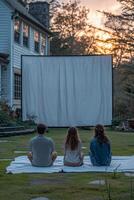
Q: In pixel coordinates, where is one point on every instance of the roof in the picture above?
(24, 12)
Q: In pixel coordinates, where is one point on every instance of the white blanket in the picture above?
(119, 164)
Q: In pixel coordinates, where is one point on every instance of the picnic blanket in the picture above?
(21, 164)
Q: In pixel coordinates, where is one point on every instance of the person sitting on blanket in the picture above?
(42, 150)
(72, 151)
(100, 149)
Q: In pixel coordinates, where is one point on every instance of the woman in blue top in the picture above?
(100, 149)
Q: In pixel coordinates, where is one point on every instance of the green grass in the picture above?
(65, 186)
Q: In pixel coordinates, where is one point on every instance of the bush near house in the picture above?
(9, 117)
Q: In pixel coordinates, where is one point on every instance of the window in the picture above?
(43, 44)
(17, 86)
(25, 35)
(36, 41)
(17, 30)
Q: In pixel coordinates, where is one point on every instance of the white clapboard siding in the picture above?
(9, 46)
(18, 51)
(5, 27)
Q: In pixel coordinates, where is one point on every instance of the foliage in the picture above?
(116, 121)
(124, 91)
(9, 117)
(54, 5)
(127, 71)
(30, 120)
(5, 118)
(72, 34)
(121, 30)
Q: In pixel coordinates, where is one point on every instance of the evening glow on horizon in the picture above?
(96, 18)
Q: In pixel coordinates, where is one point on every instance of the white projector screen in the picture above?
(63, 91)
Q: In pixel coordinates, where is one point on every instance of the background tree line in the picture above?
(72, 34)
(121, 31)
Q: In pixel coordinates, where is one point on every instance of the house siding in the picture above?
(5, 25)
(15, 51)
(18, 51)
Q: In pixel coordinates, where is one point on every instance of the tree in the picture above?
(120, 28)
(54, 5)
(72, 34)
(121, 31)
(123, 91)
(127, 80)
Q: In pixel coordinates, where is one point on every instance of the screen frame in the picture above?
(22, 56)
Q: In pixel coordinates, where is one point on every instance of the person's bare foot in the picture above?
(30, 157)
(54, 155)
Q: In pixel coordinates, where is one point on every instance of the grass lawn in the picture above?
(65, 186)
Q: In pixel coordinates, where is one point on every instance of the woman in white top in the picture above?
(73, 154)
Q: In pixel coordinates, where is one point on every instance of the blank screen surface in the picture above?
(63, 91)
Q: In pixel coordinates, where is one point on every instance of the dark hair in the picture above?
(72, 138)
(100, 134)
(41, 128)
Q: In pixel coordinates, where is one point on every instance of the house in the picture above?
(23, 31)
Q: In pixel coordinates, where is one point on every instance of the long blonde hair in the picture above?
(72, 138)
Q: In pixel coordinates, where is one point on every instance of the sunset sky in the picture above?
(108, 5)
(95, 18)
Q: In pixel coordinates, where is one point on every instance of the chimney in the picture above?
(40, 10)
